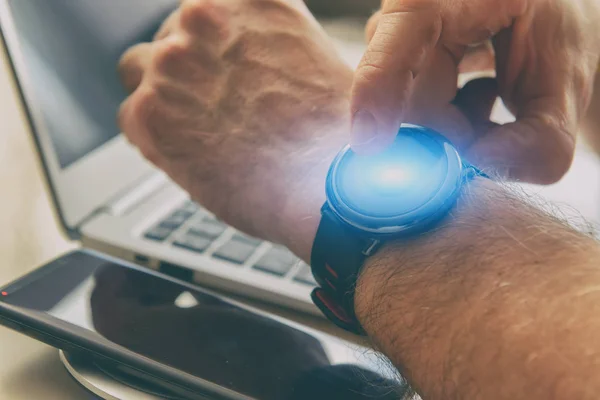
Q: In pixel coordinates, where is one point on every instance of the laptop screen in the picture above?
(71, 49)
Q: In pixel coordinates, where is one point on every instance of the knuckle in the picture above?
(124, 62)
(275, 10)
(370, 68)
(141, 111)
(130, 56)
(123, 116)
(170, 53)
(199, 15)
(195, 11)
(237, 51)
(551, 149)
(374, 72)
(559, 158)
(552, 174)
(411, 6)
(431, 32)
(368, 77)
(179, 100)
(181, 60)
(427, 12)
(141, 107)
(242, 50)
(131, 65)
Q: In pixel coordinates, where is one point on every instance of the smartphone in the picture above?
(184, 339)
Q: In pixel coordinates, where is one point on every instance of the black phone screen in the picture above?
(204, 335)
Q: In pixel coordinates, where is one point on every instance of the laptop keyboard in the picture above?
(191, 228)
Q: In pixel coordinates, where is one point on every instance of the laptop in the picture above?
(64, 55)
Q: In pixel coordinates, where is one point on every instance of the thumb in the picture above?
(406, 34)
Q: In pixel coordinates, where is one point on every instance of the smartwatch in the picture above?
(399, 193)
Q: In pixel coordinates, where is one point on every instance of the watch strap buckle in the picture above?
(371, 247)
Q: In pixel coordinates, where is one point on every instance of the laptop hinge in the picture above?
(129, 200)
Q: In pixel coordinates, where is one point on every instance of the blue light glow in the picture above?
(402, 178)
(394, 176)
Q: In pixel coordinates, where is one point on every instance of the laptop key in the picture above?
(193, 242)
(277, 261)
(207, 227)
(190, 207)
(236, 251)
(175, 220)
(248, 239)
(158, 233)
(305, 276)
(183, 214)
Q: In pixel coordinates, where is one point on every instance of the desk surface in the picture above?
(30, 236)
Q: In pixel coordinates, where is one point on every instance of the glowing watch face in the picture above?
(414, 177)
(397, 181)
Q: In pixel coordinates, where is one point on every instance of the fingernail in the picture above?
(364, 128)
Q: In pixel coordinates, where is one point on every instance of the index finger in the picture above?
(407, 33)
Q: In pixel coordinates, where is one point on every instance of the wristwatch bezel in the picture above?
(417, 219)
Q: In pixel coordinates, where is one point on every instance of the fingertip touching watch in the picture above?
(399, 193)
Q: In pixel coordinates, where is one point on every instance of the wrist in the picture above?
(404, 260)
(306, 196)
(297, 182)
(302, 214)
(412, 297)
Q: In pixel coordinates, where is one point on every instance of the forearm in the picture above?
(500, 301)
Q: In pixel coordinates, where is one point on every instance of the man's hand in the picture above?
(239, 101)
(546, 58)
